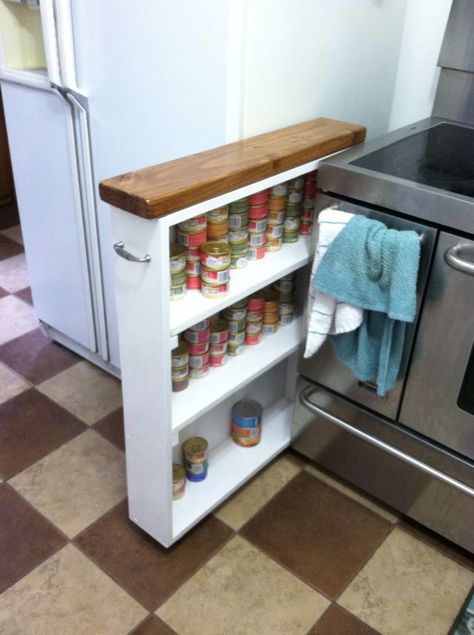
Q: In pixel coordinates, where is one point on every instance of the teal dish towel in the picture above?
(375, 268)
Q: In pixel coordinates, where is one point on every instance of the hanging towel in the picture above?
(376, 269)
(325, 315)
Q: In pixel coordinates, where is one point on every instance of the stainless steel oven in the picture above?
(414, 448)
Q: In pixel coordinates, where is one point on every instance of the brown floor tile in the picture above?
(446, 547)
(9, 216)
(153, 626)
(317, 532)
(26, 538)
(338, 621)
(31, 426)
(149, 572)
(111, 428)
(9, 248)
(36, 357)
(3, 293)
(25, 294)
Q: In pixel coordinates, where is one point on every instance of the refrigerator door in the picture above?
(41, 132)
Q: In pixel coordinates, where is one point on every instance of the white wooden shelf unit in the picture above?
(157, 421)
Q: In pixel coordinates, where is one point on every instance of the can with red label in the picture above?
(257, 211)
(192, 239)
(219, 331)
(195, 337)
(214, 291)
(256, 253)
(213, 276)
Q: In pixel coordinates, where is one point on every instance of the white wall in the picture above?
(417, 75)
(312, 58)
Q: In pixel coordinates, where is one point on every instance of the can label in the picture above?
(218, 215)
(192, 240)
(178, 292)
(257, 225)
(258, 211)
(238, 235)
(214, 291)
(275, 231)
(255, 316)
(253, 339)
(196, 469)
(257, 240)
(193, 268)
(215, 261)
(236, 350)
(277, 205)
(237, 221)
(218, 360)
(179, 373)
(286, 308)
(219, 337)
(238, 262)
(276, 218)
(193, 282)
(270, 328)
(236, 339)
(198, 361)
(236, 326)
(258, 198)
(179, 360)
(198, 373)
(291, 224)
(256, 253)
(195, 336)
(212, 276)
(198, 348)
(280, 189)
(306, 229)
(286, 319)
(193, 255)
(297, 183)
(274, 244)
(253, 328)
(178, 264)
(179, 488)
(192, 224)
(235, 314)
(218, 349)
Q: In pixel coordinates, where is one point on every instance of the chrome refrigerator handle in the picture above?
(121, 251)
(406, 458)
(453, 257)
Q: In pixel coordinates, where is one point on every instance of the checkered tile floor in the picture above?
(293, 552)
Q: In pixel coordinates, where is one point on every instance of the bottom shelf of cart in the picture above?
(230, 466)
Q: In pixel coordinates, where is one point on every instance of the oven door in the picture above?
(439, 396)
(324, 368)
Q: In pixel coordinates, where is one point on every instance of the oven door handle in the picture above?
(306, 393)
(453, 256)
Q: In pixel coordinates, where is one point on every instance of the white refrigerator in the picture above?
(94, 88)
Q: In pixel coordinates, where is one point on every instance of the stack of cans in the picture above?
(276, 216)
(217, 224)
(293, 210)
(219, 342)
(235, 316)
(271, 311)
(254, 321)
(257, 225)
(179, 481)
(177, 271)
(238, 233)
(215, 269)
(192, 234)
(309, 200)
(246, 422)
(195, 458)
(198, 338)
(180, 367)
(286, 308)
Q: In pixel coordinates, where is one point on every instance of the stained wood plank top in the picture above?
(162, 189)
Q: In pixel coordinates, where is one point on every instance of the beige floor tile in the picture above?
(370, 503)
(240, 591)
(68, 595)
(11, 384)
(86, 391)
(14, 273)
(14, 233)
(251, 498)
(76, 483)
(16, 318)
(408, 587)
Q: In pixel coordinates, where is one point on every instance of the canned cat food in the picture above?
(258, 198)
(255, 316)
(215, 255)
(193, 255)
(274, 231)
(218, 349)
(295, 197)
(193, 282)
(239, 261)
(293, 209)
(257, 211)
(236, 312)
(193, 268)
(240, 205)
(239, 249)
(270, 299)
(281, 189)
(214, 291)
(180, 355)
(286, 319)
(198, 348)
(307, 215)
(192, 239)
(286, 308)
(238, 235)
(306, 229)
(198, 361)
(296, 184)
(182, 384)
(256, 253)
(246, 437)
(256, 302)
(213, 276)
(218, 360)
(253, 327)
(195, 337)
(200, 372)
(179, 481)
(196, 471)
(178, 292)
(219, 331)
(246, 417)
(273, 244)
(275, 218)
(277, 204)
(235, 350)
(251, 339)
(236, 326)
(178, 279)
(202, 325)
(235, 339)
(238, 221)
(193, 225)
(219, 215)
(271, 317)
(257, 226)
(177, 258)
(291, 224)
(270, 328)
(256, 240)
(285, 284)
(217, 231)
(290, 237)
(195, 450)
(178, 373)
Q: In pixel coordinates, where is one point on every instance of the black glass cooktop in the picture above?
(442, 157)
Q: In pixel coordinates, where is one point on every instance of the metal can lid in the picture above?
(181, 349)
(178, 472)
(247, 409)
(195, 445)
(241, 304)
(215, 248)
(177, 250)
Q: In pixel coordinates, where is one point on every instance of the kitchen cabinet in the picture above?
(7, 191)
(146, 207)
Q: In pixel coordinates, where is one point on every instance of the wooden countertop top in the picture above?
(162, 189)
